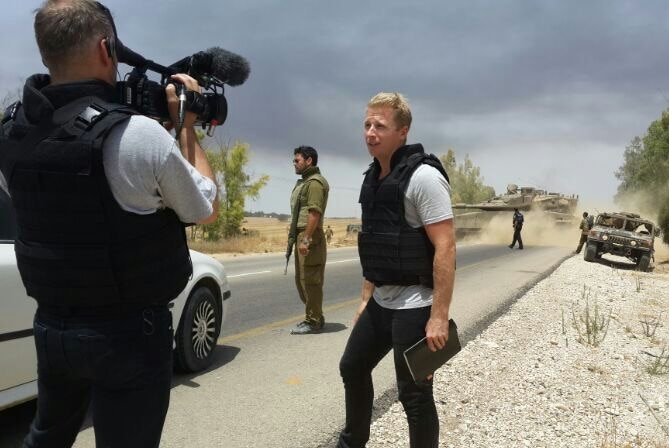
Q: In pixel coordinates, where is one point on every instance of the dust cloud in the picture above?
(644, 203)
(539, 229)
(647, 204)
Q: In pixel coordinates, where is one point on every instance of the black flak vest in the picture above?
(391, 251)
(76, 246)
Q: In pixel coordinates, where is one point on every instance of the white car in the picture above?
(198, 313)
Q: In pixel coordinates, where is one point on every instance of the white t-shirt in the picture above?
(427, 200)
(146, 172)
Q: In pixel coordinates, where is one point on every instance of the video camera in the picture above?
(212, 69)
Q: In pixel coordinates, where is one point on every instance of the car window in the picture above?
(7, 218)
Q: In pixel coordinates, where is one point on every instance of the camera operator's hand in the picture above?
(188, 143)
(173, 99)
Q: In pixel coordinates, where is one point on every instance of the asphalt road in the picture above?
(270, 388)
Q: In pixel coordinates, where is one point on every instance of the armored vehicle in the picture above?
(472, 218)
(624, 234)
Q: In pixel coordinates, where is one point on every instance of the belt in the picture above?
(97, 312)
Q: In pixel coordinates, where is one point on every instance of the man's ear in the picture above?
(404, 132)
(104, 53)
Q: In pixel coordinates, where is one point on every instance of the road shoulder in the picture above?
(527, 381)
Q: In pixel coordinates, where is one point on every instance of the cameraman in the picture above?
(101, 195)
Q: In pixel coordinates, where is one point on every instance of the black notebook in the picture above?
(423, 362)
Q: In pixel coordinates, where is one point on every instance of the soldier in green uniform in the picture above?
(307, 204)
(585, 229)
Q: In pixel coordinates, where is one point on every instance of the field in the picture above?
(264, 235)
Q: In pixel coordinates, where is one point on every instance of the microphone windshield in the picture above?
(229, 67)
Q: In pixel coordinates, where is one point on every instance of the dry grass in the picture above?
(271, 235)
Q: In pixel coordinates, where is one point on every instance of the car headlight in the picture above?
(633, 244)
(605, 237)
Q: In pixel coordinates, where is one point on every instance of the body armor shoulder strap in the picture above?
(416, 159)
(79, 118)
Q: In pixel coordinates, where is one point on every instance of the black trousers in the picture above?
(377, 331)
(584, 238)
(517, 237)
(121, 367)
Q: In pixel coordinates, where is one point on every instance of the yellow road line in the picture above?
(282, 323)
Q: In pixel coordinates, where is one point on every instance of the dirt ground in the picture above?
(273, 228)
(265, 235)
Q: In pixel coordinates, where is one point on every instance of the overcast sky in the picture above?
(538, 93)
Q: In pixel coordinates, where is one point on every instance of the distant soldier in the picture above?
(585, 226)
(328, 234)
(307, 203)
(517, 224)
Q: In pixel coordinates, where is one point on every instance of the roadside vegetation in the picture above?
(644, 173)
(646, 325)
(229, 163)
(465, 179)
(590, 322)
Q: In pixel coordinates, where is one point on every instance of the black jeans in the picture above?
(121, 367)
(376, 332)
(517, 237)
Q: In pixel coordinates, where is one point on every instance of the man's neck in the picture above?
(309, 171)
(385, 163)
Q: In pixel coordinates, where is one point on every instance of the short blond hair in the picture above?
(395, 101)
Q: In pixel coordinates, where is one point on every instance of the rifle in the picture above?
(292, 233)
(289, 250)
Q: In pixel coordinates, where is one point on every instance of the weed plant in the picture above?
(650, 323)
(591, 325)
(658, 364)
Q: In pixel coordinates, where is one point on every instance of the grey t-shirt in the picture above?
(146, 172)
(427, 200)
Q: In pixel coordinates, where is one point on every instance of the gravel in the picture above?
(528, 381)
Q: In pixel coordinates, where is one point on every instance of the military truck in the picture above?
(623, 234)
(473, 218)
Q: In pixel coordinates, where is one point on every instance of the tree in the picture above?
(644, 173)
(235, 186)
(466, 180)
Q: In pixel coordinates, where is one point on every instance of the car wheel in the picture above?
(198, 331)
(644, 262)
(590, 252)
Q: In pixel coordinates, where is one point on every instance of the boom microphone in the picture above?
(227, 67)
